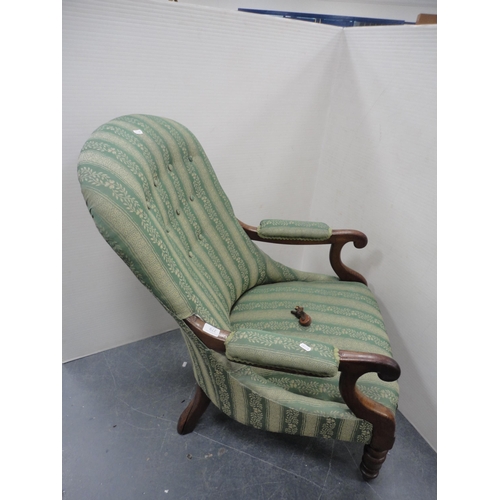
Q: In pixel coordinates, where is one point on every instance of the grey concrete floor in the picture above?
(120, 411)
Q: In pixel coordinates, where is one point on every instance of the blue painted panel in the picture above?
(343, 21)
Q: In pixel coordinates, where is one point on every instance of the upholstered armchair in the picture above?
(272, 347)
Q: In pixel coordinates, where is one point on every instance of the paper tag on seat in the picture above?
(305, 347)
(211, 330)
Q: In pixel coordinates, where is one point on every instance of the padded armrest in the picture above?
(278, 229)
(282, 352)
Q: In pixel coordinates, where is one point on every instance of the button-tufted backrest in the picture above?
(156, 200)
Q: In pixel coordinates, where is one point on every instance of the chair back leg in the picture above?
(193, 412)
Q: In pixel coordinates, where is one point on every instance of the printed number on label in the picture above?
(211, 330)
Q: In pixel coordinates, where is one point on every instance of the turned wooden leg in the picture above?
(194, 410)
(353, 365)
(371, 462)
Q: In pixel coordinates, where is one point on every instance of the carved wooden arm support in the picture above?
(337, 240)
(352, 366)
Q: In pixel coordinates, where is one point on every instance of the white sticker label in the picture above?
(305, 347)
(211, 330)
(138, 131)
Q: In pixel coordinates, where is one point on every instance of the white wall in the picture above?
(252, 89)
(378, 174)
(299, 120)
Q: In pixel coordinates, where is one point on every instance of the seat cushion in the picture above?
(344, 315)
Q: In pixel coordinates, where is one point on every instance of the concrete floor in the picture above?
(120, 411)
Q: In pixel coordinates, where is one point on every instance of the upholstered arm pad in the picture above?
(282, 352)
(277, 229)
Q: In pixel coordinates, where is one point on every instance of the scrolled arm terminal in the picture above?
(303, 233)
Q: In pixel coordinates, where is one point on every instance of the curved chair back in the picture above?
(156, 200)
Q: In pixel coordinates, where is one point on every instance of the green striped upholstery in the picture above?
(275, 401)
(278, 229)
(281, 351)
(344, 315)
(156, 200)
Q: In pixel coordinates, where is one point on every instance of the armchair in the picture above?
(272, 347)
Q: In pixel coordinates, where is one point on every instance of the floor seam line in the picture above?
(257, 458)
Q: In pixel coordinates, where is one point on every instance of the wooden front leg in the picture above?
(352, 365)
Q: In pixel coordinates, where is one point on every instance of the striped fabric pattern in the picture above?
(278, 229)
(344, 315)
(155, 199)
(281, 351)
(274, 401)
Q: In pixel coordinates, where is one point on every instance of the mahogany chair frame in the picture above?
(352, 364)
